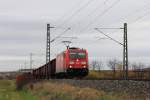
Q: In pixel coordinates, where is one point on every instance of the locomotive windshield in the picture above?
(79, 55)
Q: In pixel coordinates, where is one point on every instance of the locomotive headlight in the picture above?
(70, 66)
(83, 62)
(84, 66)
(71, 62)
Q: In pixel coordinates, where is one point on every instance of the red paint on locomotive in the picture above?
(73, 61)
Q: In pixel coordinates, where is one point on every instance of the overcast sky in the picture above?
(23, 29)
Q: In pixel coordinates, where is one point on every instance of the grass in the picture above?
(8, 92)
(118, 75)
(46, 90)
(62, 91)
(99, 74)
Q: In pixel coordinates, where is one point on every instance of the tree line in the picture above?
(116, 66)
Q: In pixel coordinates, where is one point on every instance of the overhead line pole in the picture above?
(125, 52)
(125, 48)
(48, 68)
(48, 43)
(48, 47)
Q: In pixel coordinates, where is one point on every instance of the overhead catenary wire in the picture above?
(140, 17)
(75, 13)
(58, 36)
(69, 37)
(83, 8)
(98, 7)
(90, 13)
(101, 14)
(132, 13)
(141, 9)
(70, 11)
(78, 10)
(108, 36)
(71, 17)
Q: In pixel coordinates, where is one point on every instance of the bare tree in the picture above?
(137, 66)
(112, 65)
(138, 69)
(134, 66)
(93, 64)
(119, 66)
(97, 65)
(141, 68)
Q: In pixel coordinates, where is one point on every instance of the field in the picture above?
(59, 90)
(74, 89)
(8, 92)
(47, 90)
(109, 74)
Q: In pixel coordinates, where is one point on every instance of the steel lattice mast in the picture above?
(48, 68)
(125, 52)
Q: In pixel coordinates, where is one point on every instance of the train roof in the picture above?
(75, 48)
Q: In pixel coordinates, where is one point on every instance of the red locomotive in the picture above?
(72, 62)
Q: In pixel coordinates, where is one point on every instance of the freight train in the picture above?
(72, 62)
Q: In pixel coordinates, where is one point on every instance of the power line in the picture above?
(101, 14)
(71, 16)
(128, 16)
(109, 28)
(79, 10)
(69, 37)
(137, 11)
(58, 36)
(140, 17)
(66, 14)
(143, 8)
(98, 7)
(93, 11)
(109, 36)
(75, 13)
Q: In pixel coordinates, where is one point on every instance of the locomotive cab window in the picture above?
(77, 55)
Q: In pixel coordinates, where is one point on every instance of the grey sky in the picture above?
(23, 28)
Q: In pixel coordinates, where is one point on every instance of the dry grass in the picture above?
(99, 74)
(61, 91)
(51, 91)
(118, 75)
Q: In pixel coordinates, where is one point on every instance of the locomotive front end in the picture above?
(77, 62)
